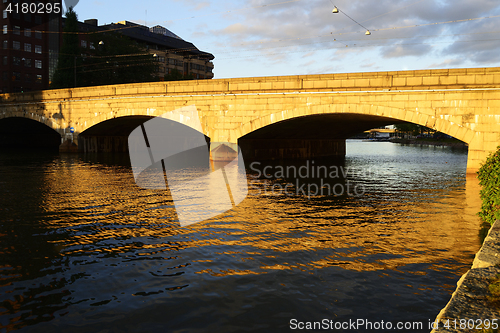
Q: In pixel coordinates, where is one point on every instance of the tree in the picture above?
(64, 76)
(116, 59)
(412, 129)
(112, 58)
(176, 75)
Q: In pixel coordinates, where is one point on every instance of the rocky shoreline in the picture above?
(469, 309)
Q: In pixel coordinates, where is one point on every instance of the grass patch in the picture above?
(494, 290)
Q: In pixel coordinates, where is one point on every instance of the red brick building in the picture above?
(30, 46)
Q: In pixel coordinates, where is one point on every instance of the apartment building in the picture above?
(170, 51)
(29, 48)
(31, 42)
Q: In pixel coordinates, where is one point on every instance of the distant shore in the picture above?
(432, 142)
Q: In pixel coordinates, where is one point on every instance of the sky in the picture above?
(295, 37)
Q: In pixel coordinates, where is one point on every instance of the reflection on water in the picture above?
(84, 249)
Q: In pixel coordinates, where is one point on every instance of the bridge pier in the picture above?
(479, 151)
(68, 146)
(277, 149)
(69, 142)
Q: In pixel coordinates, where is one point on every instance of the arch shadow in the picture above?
(377, 114)
(19, 133)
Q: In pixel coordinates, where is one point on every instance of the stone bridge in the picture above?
(280, 116)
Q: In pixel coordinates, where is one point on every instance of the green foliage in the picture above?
(413, 129)
(64, 76)
(408, 128)
(176, 75)
(110, 58)
(489, 179)
(115, 59)
(494, 289)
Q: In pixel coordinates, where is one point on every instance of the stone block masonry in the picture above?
(464, 103)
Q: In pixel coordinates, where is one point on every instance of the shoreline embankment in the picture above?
(469, 309)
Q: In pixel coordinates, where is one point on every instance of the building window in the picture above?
(38, 34)
(5, 60)
(27, 17)
(16, 76)
(17, 30)
(5, 76)
(84, 43)
(5, 29)
(4, 14)
(38, 49)
(27, 62)
(38, 19)
(27, 77)
(38, 78)
(38, 64)
(5, 44)
(16, 45)
(27, 47)
(16, 61)
(92, 46)
(27, 32)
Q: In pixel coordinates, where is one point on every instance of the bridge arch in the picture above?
(112, 134)
(36, 116)
(27, 133)
(441, 124)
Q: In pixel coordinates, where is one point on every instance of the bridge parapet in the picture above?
(432, 79)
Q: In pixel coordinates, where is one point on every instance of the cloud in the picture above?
(309, 26)
(196, 5)
(405, 50)
(309, 54)
(447, 63)
(369, 65)
(479, 42)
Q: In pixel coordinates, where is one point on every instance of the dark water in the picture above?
(83, 249)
